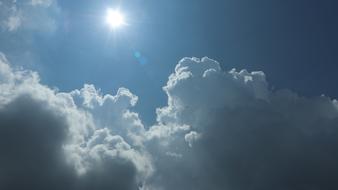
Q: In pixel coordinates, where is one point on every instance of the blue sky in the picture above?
(294, 42)
(156, 104)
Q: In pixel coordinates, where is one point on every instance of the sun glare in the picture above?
(115, 18)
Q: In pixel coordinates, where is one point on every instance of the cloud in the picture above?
(53, 140)
(13, 22)
(34, 15)
(240, 134)
(41, 2)
(31, 147)
(220, 130)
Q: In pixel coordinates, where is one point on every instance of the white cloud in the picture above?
(241, 135)
(199, 85)
(220, 130)
(191, 137)
(90, 146)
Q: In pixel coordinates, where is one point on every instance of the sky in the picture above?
(294, 42)
(194, 94)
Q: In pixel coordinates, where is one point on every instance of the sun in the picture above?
(115, 18)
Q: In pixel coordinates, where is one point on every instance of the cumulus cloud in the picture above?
(53, 140)
(242, 135)
(219, 130)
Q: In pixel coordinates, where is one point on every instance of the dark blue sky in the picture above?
(293, 41)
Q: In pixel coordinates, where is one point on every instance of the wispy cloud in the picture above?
(42, 2)
(35, 15)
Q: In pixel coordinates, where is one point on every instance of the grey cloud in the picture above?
(51, 141)
(32, 154)
(249, 137)
(220, 130)
(31, 138)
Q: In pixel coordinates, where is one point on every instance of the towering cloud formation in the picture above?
(240, 135)
(220, 130)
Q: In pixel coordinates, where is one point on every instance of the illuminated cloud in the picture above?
(55, 140)
(220, 130)
(241, 135)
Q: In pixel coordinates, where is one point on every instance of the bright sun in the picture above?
(115, 18)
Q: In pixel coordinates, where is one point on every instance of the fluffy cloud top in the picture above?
(241, 135)
(55, 140)
(220, 130)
